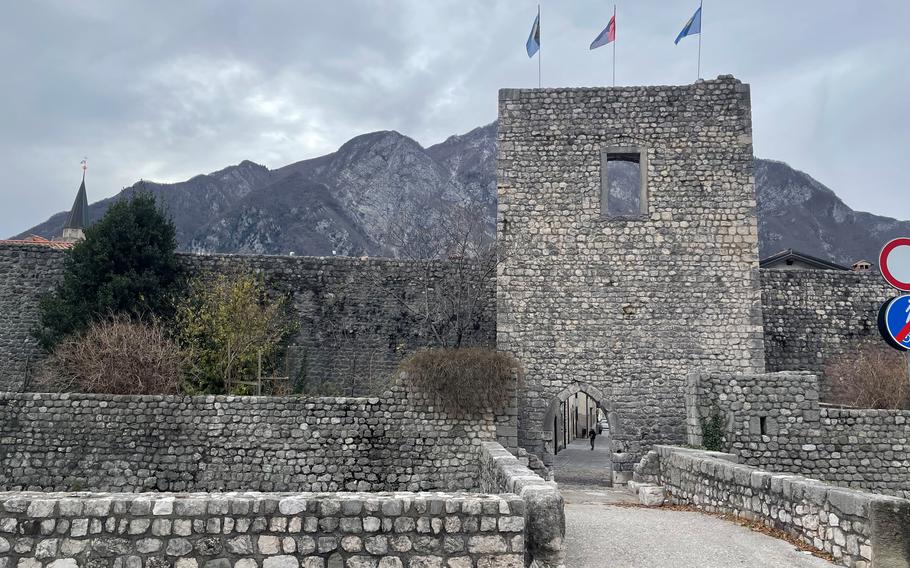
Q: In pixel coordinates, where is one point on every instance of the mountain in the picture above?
(796, 211)
(187, 202)
(380, 194)
(383, 194)
(355, 201)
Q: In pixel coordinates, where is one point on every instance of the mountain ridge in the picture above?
(381, 192)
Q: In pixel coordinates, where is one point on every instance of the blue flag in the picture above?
(692, 27)
(533, 45)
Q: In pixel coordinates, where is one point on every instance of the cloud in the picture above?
(164, 91)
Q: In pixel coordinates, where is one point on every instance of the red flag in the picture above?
(608, 35)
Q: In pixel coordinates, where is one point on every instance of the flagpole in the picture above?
(614, 45)
(539, 46)
(701, 27)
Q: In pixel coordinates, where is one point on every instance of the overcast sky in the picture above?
(167, 90)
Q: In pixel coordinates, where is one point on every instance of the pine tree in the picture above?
(125, 264)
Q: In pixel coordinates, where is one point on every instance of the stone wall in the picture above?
(354, 329)
(629, 305)
(250, 530)
(501, 472)
(774, 421)
(400, 442)
(26, 272)
(814, 316)
(355, 318)
(859, 529)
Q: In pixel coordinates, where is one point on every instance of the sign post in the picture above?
(894, 315)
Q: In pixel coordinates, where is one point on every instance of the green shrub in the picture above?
(468, 380)
(712, 433)
(229, 326)
(125, 264)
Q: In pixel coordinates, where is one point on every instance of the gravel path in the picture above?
(602, 535)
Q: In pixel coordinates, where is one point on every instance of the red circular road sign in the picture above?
(894, 263)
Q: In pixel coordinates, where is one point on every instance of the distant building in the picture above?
(73, 230)
(793, 260)
(77, 220)
(862, 266)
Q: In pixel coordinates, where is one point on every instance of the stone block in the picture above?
(280, 562)
(849, 502)
(651, 495)
(890, 532)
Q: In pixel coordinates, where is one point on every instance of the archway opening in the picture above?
(573, 455)
(576, 418)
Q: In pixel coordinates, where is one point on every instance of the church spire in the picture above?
(78, 217)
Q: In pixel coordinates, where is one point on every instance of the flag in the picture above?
(692, 27)
(606, 36)
(533, 44)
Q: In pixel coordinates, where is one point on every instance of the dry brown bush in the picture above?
(469, 379)
(116, 356)
(872, 376)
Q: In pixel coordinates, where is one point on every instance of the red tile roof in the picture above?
(38, 241)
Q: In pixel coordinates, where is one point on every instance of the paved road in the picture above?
(602, 535)
(579, 465)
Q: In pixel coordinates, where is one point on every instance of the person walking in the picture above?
(591, 435)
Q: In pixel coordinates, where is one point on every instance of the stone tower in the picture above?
(619, 290)
(77, 220)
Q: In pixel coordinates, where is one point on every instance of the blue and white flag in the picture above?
(533, 44)
(692, 27)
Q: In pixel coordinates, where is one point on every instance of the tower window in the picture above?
(623, 182)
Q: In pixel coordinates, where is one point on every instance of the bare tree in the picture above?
(458, 257)
(870, 376)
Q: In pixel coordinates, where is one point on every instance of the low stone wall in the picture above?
(859, 529)
(500, 471)
(399, 442)
(249, 530)
(774, 421)
(862, 448)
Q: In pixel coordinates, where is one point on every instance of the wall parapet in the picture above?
(857, 528)
(271, 530)
(546, 522)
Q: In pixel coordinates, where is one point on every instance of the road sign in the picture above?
(894, 322)
(894, 263)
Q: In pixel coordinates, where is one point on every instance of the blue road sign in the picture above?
(894, 322)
